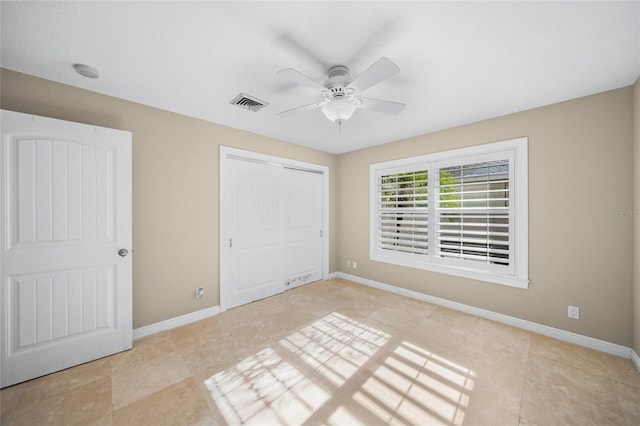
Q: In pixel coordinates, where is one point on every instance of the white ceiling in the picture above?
(460, 62)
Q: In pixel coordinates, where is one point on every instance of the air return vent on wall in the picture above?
(248, 102)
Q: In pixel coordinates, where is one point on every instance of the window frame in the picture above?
(515, 150)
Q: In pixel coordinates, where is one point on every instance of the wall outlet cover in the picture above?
(199, 292)
(573, 312)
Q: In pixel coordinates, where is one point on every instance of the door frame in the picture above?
(228, 154)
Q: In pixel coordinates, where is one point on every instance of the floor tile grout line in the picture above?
(524, 383)
(624, 414)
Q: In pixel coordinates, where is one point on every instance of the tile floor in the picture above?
(337, 353)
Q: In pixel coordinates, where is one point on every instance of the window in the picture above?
(404, 212)
(461, 212)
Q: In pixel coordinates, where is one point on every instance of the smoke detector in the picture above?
(86, 70)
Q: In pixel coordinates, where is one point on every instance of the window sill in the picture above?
(491, 277)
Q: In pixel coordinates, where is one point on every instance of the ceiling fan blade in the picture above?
(303, 107)
(296, 45)
(385, 107)
(382, 69)
(301, 79)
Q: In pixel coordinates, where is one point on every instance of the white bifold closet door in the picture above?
(65, 270)
(275, 228)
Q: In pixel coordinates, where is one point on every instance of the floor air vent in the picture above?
(248, 102)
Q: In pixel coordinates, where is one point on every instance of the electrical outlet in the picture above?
(354, 264)
(573, 312)
(348, 264)
(199, 292)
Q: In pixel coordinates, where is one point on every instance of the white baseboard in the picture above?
(186, 319)
(175, 322)
(567, 336)
(635, 359)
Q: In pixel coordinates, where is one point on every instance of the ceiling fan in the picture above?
(340, 93)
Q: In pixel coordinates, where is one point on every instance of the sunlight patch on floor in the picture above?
(296, 380)
(336, 346)
(416, 386)
(265, 389)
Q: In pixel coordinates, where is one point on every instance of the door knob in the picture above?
(123, 252)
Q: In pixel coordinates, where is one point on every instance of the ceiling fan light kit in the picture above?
(338, 110)
(340, 93)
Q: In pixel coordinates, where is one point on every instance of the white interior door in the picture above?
(66, 213)
(302, 220)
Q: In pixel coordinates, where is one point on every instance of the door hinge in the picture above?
(230, 242)
(321, 233)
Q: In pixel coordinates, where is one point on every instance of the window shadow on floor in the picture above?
(338, 370)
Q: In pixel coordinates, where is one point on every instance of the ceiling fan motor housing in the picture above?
(338, 79)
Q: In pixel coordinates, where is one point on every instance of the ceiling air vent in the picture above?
(248, 102)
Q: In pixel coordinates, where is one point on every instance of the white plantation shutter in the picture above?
(473, 213)
(404, 216)
(455, 212)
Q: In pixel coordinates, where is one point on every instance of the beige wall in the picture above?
(636, 217)
(580, 170)
(175, 188)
